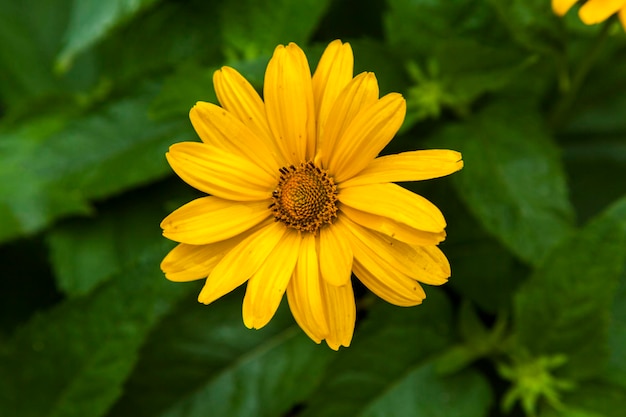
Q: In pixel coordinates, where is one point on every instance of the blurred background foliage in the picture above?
(533, 321)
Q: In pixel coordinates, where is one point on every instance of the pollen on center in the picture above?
(305, 197)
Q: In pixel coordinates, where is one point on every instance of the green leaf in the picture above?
(594, 161)
(458, 72)
(73, 359)
(591, 399)
(92, 20)
(271, 22)
(204, 360)
(564, 307)
(161, 40)
(532, 24)
(415, 26)
(423, 393)
(469, 248)
(30, 35)
(615, 371)
(513, 181)
(85, 252)
(388, 369)
(70, 163)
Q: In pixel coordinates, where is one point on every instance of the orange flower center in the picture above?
(305, 197)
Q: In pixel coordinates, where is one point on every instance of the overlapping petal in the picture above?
(397, 203)
(222, 129)
(191, 262)
(392, 228)
(423, 263)
(368, 133)
(333, 73)
(392, 286)
(212, 219)
(341, 313)
(219, 172)
(304, 292)
(335, 254)
(268, 284)
(408, 166)
(289, 105)
(241, 262)
(360, 94)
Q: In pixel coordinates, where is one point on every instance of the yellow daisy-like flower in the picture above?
(298, 200)
(593, 11)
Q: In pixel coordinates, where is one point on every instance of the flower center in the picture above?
(305, 197)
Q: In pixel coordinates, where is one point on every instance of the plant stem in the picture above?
(564, 105)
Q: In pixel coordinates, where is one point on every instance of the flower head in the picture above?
(299, 200)
(593, 11)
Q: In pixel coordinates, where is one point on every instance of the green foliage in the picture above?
(514, 183)
(532, 323)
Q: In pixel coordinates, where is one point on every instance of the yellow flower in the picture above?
(593, 11)
(298, 200)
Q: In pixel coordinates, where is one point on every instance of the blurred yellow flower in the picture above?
(298, 200)
(593, 11)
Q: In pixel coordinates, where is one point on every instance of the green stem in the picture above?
(566, 102)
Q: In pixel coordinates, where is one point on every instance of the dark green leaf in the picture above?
(54, 167)
(415, 26)
(591, 399)
(386, 371)
(271, 22)
(87, 251)
(92, 20)
(73, 359)
(616, 365)
(564, 307)
(423, 393)
(513, 181)
(30, 35)
(204, 360)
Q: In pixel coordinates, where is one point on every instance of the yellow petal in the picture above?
(191, 262)
(423, 263)
(268, 284)
(392, 286)
(392, 228)
(368, 133)
(238, 96)
(333, 73)
(219, 172)
(211, 219)
(397, 203)
(289, 103)
(360, 93)
(341, 313)
(408, 166)
(335, 254)
(240, 263)
(596, 11)
(221, 129)
(561, 7)
(304, 292)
